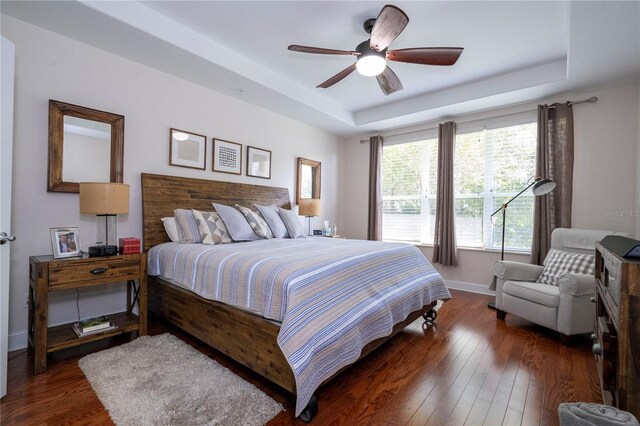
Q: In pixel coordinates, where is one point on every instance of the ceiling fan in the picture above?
(372, 54)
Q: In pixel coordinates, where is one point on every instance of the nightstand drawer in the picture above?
(95, 272)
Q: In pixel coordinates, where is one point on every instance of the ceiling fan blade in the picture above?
(426, 55)
(389, 81)
(389, 23)
(320, 50)
(336, 78)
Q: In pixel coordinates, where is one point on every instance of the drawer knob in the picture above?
(592, 300)
(596, 349)
(98, 271)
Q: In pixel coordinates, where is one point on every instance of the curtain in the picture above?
(445, 250)
(554, 160)
(375, 188)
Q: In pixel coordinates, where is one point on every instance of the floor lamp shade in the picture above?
(106, 200)
(543, 186)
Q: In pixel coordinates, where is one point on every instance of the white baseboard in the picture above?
(17, 341)
(470, 287)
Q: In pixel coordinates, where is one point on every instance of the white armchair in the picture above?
(566, 308)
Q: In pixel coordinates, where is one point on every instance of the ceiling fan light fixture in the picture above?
(371, 65)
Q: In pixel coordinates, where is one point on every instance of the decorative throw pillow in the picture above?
(237, 226)
(562, 262)
(211, 228)
(187, 226)
(292, 222)
(272, 217)
(256, 222)
(171, 228)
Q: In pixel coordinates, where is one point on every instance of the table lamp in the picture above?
(309, 207)
(105, 200)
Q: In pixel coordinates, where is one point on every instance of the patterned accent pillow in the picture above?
(211, 227)
(292, 222)
(187, 226)
(562, 262)
(171, 228)
(272, 217)
(256, 221)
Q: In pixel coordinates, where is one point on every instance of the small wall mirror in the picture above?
(308, 179)
(85, 145)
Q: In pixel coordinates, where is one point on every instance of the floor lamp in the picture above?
(540, 187)
(309, 207)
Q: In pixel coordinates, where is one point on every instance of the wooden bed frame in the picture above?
(246, 338)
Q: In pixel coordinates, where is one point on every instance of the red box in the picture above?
(129, 245)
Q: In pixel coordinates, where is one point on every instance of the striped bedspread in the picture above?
(332, 296)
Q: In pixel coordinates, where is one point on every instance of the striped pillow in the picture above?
(187, 226)
(561, 262)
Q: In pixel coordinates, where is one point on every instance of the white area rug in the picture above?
(160, 380)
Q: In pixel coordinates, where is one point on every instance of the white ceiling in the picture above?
(515, 51)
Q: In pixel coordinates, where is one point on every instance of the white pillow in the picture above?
(292, 222)
(171, 228)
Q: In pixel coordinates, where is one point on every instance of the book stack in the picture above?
(93, 325)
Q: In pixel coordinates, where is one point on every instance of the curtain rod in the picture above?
(591, 100)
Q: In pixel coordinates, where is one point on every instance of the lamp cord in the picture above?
(78, 303)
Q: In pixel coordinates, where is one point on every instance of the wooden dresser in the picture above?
(617, 332)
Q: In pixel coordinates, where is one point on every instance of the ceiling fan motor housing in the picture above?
(365, 50)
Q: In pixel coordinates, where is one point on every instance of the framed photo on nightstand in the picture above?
(65, 242)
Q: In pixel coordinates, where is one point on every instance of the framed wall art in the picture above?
(65, 242)
(258, 162)
(187, 149)
(227, 157)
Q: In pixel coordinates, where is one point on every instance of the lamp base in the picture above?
(104, 250)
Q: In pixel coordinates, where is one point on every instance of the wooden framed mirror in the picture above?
(308, 179)
(85, 145)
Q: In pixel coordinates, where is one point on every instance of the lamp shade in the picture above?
(543, 186)
(309, 207)
(104, 198)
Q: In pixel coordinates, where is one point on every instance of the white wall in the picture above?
(606, 175)
(49, 66)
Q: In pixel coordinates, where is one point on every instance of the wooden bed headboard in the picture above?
(162, 194)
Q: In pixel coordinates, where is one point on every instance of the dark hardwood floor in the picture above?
(468, 368)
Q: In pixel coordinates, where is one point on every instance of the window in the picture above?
(409, 190)
(490, 167)
(493, 162)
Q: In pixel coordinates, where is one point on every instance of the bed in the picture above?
(258, 334)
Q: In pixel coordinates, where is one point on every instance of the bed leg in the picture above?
(310, 410)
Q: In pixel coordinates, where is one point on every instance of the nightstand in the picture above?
(47, 274)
